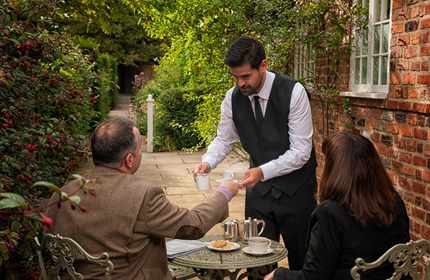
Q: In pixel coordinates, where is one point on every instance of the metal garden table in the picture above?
(213, 265)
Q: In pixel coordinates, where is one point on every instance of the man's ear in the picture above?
(263, 65)
(129, 160)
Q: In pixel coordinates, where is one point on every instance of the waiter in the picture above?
(271, 116)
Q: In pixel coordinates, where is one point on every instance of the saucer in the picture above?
(249, 251)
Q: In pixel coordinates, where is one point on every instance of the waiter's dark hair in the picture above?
(356, 179)
(245, 50)
(111, 140)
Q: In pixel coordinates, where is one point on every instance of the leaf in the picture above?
(48, 185)
(76, 199)
(12, 200)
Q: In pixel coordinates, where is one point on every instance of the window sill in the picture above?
(365, 94)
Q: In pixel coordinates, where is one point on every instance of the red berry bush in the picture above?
(47, 100)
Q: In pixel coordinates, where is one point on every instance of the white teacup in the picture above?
(202, 181)
(259, 244)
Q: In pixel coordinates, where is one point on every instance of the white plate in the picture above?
(231, 246)
(249, 251)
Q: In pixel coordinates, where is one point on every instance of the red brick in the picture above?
(411, 51)
(425, 23)
(420, 161)
(412, 119)
(418, 175)
(422, 108)
(426, 9)
(412, 93)
(416, 66)
(424, 38)
(398, 4)
(398, 28)
(420, 133)
(393, 128)
(426, 175)
(425, 66)
(425, 51)
(405, 130)
(411, 145)
(405, 39)
(394, 78)
(418, 213)
(409, 78)
(405, 183)
(414, 12)
(392, 104)
(405, 106)
(425, 203)
(424, 79)
(427, 150)
(405, 157)
(407, 170)
(415, 38)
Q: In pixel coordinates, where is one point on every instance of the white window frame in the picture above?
(304, 62)
(369, 90)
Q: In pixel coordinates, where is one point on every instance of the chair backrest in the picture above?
(410, 259)
(64, 252)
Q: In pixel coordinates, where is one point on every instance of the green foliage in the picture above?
(173, 112)
(46, 110)
(199, 32)
(106, 90)
(106, 26)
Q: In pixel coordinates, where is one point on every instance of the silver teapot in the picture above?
(250, 228)
(231, 230)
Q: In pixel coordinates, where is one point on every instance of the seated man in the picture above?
(126, 217)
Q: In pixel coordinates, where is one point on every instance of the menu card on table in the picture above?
(179, 247)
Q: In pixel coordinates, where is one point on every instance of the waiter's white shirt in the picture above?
(300, 131)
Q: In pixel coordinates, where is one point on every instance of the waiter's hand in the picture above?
(269, 276)
(252, 177)
(202, 167)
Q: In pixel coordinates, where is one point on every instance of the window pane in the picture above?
(385, 35)
(377, 11)
(357, 71)
(365, 42)
(357, 46)
(387, 10)
(376, 36)
(375, 70)
(364, 70)
(384, 70)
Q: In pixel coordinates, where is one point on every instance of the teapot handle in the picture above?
(262, 228)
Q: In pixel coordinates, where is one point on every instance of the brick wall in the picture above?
(399, 126)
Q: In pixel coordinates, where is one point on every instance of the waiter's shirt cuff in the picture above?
(269, 171)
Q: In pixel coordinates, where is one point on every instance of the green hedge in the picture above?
(107, 85)
(48, 105)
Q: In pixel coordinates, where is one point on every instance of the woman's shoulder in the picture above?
(330, 209)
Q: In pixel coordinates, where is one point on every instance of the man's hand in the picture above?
(269, 276)
(201, 168)
(232, 186)
(252, 177)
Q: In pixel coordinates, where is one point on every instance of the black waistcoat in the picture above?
(271, 140)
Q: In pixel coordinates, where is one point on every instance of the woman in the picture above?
(360, 214)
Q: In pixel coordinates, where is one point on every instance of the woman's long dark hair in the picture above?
(355, 178)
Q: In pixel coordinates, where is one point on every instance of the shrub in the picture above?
(46, 109)
(174, 112)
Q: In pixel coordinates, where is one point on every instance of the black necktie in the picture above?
(258, 112)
